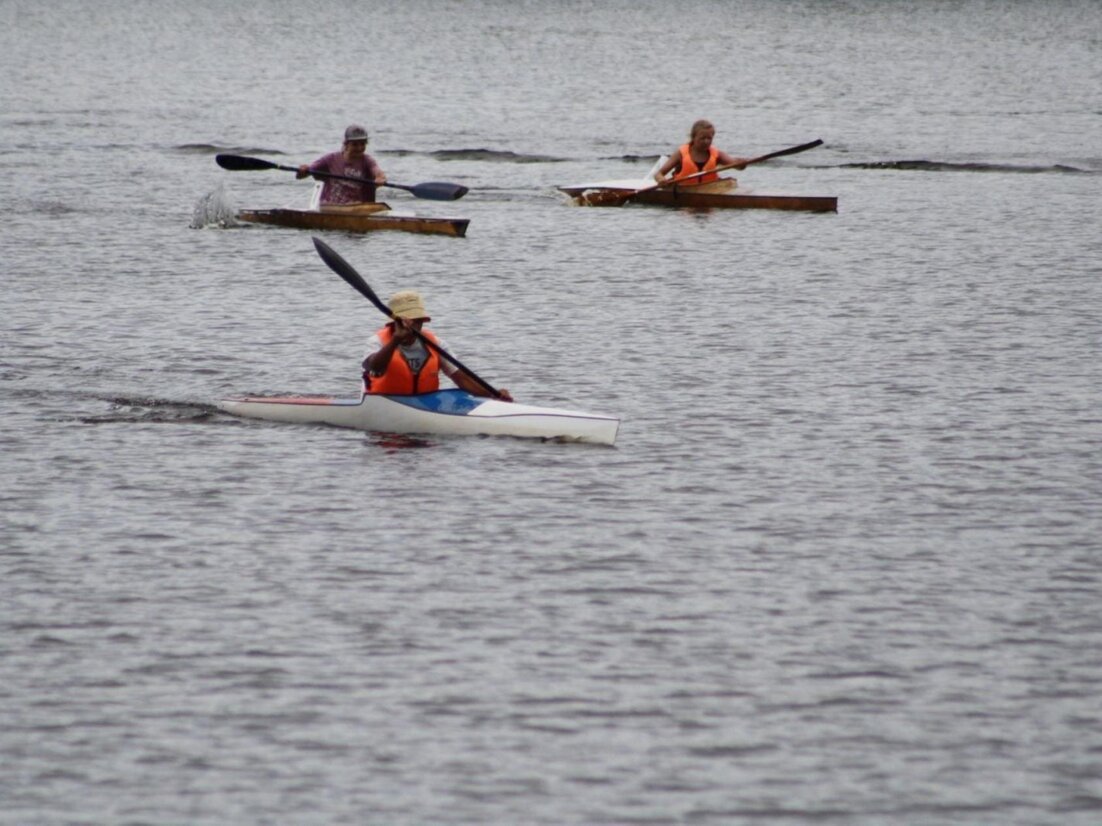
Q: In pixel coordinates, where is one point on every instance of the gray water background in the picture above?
(842, 565)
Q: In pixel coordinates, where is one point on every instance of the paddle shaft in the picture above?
(436, 191)
(792, 150)
(613, 197)
(240, 162)
(356, 281)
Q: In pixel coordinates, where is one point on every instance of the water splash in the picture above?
(215, 209)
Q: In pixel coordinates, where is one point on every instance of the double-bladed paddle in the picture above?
(349, 274)
(615, 198)
(433, 190)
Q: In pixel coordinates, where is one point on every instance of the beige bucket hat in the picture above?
(408, 304)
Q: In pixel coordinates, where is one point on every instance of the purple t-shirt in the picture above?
(346, 192)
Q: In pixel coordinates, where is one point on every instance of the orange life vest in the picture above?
(399, 378)
(689, 167)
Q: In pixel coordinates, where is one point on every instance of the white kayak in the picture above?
(445, 412)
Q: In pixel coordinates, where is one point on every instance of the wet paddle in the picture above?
(616, 197)
(349, 274)
(433, 190)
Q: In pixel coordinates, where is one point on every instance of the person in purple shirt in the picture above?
(352, 160)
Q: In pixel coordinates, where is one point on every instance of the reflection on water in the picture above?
(396, 442)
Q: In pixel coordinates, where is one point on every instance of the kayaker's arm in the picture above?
(723, 159)
(377, 363)
(465, 382)
(672, 164)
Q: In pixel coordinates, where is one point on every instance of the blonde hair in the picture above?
(699, 127)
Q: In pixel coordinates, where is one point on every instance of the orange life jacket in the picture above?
(399, 378)
(689, 167)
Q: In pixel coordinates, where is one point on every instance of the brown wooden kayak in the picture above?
(355, 221)
(705, 198)
(712, 195)
(685, 197)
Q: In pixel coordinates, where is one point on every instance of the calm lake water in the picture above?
(843, 564)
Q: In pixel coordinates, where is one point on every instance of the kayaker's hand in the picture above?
(504, 395)
(303, 171)
(404, 332)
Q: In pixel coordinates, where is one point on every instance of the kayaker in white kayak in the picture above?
(698, 155)
(353, 161)
(398, 363)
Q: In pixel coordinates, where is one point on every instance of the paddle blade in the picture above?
(348, 273)
(792, 150)
(240, 163)
(438, 191)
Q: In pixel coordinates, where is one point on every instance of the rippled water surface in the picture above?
(842, 565)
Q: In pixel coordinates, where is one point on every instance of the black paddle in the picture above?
(615, 198)
(433, 191)
(349, 274)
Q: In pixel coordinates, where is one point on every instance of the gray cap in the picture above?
(355, 133)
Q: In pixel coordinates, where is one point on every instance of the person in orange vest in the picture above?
(698, 155)
(398, 363)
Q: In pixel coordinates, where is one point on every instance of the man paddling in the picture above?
(351, 161)
(399, 363)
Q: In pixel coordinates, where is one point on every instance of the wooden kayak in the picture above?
(685, 197)
(702, 199)
(719, 194)
(355, 221)
(445, 412)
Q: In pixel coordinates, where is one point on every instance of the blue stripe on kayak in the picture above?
(455, 402)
